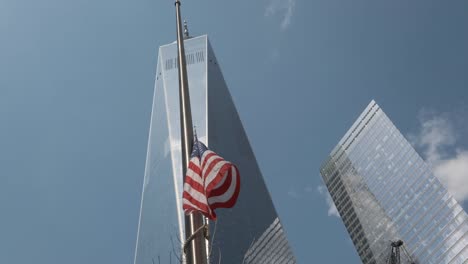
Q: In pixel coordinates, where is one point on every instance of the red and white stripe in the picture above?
(210, 184)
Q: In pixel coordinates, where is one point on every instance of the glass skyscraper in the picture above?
(385, 192)
(250, 232)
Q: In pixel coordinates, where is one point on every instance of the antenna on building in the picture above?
(186, 33)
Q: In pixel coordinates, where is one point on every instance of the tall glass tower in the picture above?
(385, 192)
(250, 232)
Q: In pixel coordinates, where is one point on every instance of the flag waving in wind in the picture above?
(210, 183)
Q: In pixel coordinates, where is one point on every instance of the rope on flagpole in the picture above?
(212, 237)
(192, 236)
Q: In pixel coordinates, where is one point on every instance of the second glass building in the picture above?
(385, 192)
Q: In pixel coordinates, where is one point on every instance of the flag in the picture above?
(210, 182)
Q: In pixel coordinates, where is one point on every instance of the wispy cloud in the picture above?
(308, 189)
(274, 54)
(332, 211)
(293, 193)
(438, 140)
(296, 192)
(436, 135)
(283, 9)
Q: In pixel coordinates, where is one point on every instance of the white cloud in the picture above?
(438, 139)
(436, 135)
(282, 8)
(454, 174)
(332, 211)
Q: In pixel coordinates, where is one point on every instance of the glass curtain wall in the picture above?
(385, 191)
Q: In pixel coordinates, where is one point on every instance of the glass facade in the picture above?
(385, 192)
(250, 232)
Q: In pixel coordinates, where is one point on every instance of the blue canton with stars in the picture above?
(198, 149)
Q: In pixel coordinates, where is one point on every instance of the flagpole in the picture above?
(196, 253)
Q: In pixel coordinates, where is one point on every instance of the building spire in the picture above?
(186, 33)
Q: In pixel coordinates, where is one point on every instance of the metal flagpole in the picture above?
(196, 253)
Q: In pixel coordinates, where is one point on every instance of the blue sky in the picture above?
(76, 86)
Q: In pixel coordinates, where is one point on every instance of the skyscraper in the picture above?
(385, 192)
(250, 232)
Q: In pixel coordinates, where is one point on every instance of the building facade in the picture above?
(384, 191)
(250, 232)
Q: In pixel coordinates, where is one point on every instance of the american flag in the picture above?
(210, 183)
